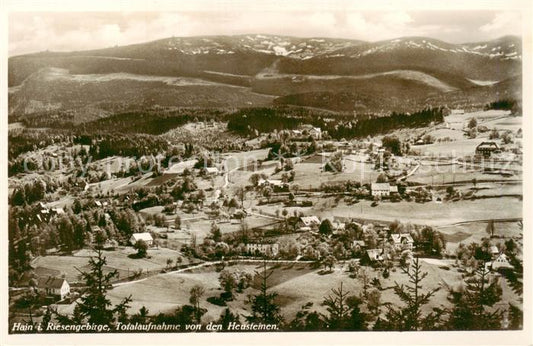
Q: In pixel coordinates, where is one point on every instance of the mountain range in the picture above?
(402, 74)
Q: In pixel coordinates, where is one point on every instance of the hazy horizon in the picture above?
(32, 32)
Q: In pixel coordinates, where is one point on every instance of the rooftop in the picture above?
(380, 186)
(51, 282)
(142, 236)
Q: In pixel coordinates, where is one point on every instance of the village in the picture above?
(320, 212)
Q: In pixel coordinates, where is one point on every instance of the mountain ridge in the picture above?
(408, 69)
(312, 38)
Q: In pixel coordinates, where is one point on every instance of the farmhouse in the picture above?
(265, 249)
(487, 148)
(383, 189)
(375, 255)
(315, 132)
(500, 262)
(58, 211)
(146, 237)
(212, 170)
(307, 223)
(55, 287)
(458, 111)
(44, 214)
(338, 226)
(110, 245)
(271, 182)
(402, 241)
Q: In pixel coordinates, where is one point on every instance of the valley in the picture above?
(269, 179)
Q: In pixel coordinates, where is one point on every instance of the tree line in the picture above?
(265, 120)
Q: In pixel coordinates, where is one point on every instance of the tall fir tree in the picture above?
(409, 316)
(474, 306)
(264, 308)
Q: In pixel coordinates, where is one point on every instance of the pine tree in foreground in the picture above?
(264, 307)
(409, 316)
(94, 306)
(474, 305)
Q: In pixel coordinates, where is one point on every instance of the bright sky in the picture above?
(67, 31)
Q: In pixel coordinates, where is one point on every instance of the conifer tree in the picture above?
(473, 306)
(94, 304)
(264, 307)
(409, 316)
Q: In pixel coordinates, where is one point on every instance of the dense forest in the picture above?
(506, 104)
(150, 121)
(263, 120)
(381, 125)
(248, 122)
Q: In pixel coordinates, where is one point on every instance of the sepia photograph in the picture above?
(229, 167)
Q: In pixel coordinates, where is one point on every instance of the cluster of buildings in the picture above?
(498, 260)
(45, 214)
(308, 130)
(400, 242)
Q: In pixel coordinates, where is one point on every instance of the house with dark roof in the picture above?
(54, 286)
(487, 148)
(375, 255)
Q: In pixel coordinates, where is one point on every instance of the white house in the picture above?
(402, 241)
(265, 249)
(458, 111)
(383, 189)
(308, 222)
(58, 211)
(212, 170)
(316, 132)
(271, 182)
(52, 286)
(500, 262)
(338, 226)
(146, 237)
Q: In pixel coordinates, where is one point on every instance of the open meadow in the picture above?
(296, 285)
